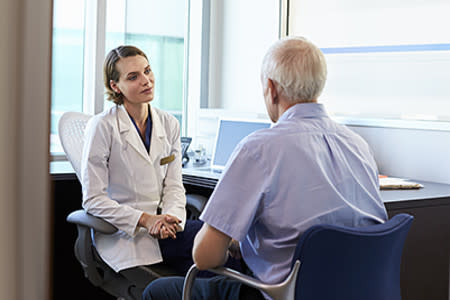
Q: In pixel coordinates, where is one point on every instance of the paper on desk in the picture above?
(392, 183)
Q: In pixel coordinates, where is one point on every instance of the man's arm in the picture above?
(210, 248)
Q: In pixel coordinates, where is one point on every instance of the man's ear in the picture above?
(114, 86)
(271, 85)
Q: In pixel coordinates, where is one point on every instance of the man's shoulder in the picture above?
(257, 137)
(260, 142)
(349, 134)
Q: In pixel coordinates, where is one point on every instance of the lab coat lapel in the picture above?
(158, 134)
(130, 134)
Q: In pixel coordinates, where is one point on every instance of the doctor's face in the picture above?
(136, 82)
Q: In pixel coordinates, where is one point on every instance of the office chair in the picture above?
(130, 283)
(337, 262)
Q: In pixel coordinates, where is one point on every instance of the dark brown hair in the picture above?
(110, 71)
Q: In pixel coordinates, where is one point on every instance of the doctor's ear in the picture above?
(114, 86)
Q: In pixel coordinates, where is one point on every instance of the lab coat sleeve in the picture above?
(94, 179)
(173, 192)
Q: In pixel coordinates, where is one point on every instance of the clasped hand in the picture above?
(160, 226)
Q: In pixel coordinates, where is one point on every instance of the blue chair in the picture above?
(337, 262)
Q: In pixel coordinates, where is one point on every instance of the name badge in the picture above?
(167, 160)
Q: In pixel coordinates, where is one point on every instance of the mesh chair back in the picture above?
(340, 262)
(71, 133)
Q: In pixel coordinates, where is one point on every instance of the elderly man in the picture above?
(305, 170)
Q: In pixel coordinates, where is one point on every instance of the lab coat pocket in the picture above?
(163, 160)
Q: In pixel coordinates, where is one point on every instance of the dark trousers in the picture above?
(177, 253)
(214, 288)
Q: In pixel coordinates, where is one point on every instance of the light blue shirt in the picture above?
(305, 170)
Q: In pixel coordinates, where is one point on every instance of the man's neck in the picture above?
(284, 105)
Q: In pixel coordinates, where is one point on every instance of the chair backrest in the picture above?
(340, 262)
(71, 133)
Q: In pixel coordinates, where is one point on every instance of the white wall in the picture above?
(25, 211)
(408, 153)
(241, 33)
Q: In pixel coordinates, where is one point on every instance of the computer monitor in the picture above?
(229, 133)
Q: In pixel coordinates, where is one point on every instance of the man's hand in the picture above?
(160, 226)
(234, 250)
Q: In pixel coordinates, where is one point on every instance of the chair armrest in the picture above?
(279, 291)
(80, 217)
(194, 205)
(84, 250)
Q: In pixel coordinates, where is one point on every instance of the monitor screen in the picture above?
(229, 134)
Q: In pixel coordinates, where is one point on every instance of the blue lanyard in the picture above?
(148, 130)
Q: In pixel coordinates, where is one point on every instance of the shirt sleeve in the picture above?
(238, 196)
(94, 180)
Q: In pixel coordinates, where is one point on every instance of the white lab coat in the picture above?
(121, 180)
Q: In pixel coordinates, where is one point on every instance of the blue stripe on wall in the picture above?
(387, 48)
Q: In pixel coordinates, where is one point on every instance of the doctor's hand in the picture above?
(165, 231)
(160, 226)
(166, 227)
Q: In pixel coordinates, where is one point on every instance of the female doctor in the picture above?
(131, 167)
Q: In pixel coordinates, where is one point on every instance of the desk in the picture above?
(425, 261)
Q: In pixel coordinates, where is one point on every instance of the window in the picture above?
(159, 32)
(387, 60)
(67, 63)
(81, 31)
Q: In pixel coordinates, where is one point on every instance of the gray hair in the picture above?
(297, 67)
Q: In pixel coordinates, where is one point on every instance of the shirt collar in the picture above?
(304, 110)
(148, 129)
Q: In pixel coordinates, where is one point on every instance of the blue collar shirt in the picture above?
(146, 139)
(305, 170)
